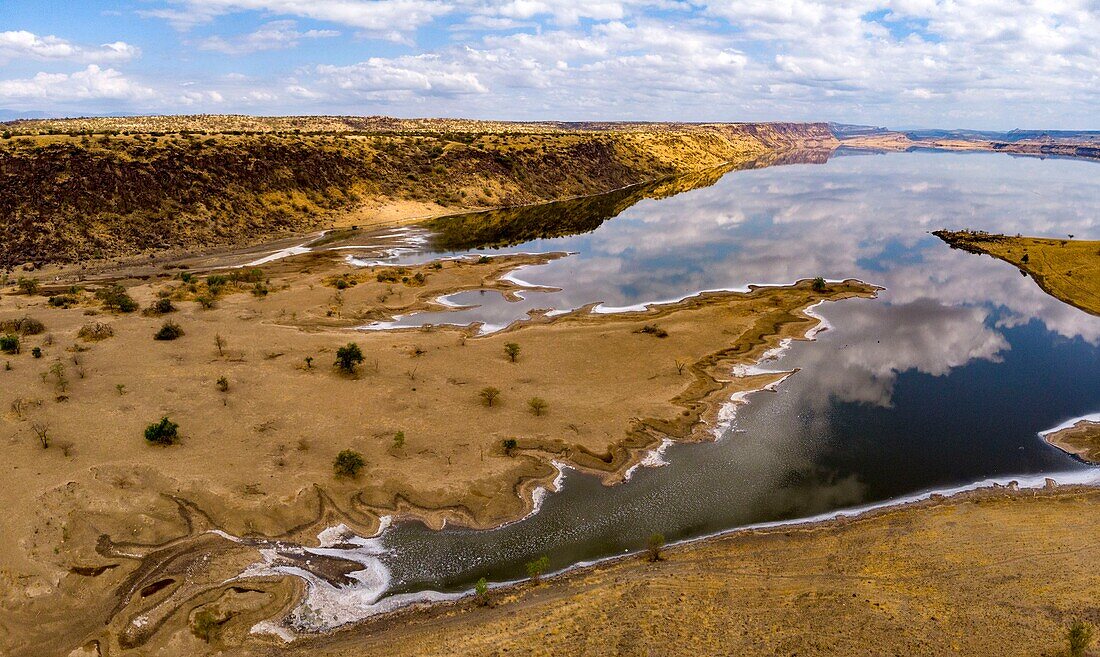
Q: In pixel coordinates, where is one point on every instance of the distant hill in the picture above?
(15, 115)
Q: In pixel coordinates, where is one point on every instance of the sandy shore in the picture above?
(118, 529)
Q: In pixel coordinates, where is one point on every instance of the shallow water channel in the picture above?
(943, 380)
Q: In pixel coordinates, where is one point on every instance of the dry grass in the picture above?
(1067, 269)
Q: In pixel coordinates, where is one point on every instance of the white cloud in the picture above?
(276, 35)
(370, 16)
(21, 44)
(92, 83)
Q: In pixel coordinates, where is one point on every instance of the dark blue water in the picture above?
(944, 379)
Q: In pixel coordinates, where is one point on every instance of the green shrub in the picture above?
(509, 445)
(537, 405)
(9, 343)
(62, 301)
(36, 352)
(489, 395)
(818, 284)
(348, 463)
(168, 331)
(165, 432)
(163, 306)
(114, 297)
(481, 590)
(512, 351)
(1079, 637)
(536, 568)
(27, 285)
(654, 545)
(348, 356)
(206, 301)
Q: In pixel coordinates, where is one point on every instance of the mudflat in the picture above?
(108, 535)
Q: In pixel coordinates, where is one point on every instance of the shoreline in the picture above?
(430, 603)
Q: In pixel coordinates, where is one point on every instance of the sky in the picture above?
(987, 64)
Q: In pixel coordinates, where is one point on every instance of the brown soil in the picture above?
(1068, 269)
(1082, 439)
(103, 522)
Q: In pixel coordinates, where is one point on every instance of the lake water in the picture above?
(945, 379)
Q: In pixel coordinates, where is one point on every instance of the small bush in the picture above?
(22, 326)
(165, 432)
(481, 591)
(489, 395)
(1079, 637)
(484, 260)
(163, 306)
(168, 331)
(114, 297)
(509, 445)
(36, 352)
(512, 351)
(537, 405)
(9, 343)
(653, 329)
(536, 568)
(206, 301)
(62, 301)
(95, 332)
(654, 546)
(223, 384)
(205, 625)
(348, 463)
(348, 356)
(818, 284)
(27, 285)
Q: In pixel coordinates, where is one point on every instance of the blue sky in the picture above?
(937, 63)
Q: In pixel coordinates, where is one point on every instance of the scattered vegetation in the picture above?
(95, 332)
(219, 342)
(206, 624)
(481, 592)
(22, 326)
(511, 350)
(489, 395)
(399, 440)
(27, 286)
(348, 463)
(537, 405)
(9, 343)
(653, 329)
(1079, 636)
(42, 434)
(654, 545)
(348, 357)
(162, 306)
(169, 331)
(164, 432)
(818, 285)
(114, 297)
(536, 568)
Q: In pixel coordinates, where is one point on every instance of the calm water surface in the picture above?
(944, 379)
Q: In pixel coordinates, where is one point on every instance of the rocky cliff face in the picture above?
(65, 198)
